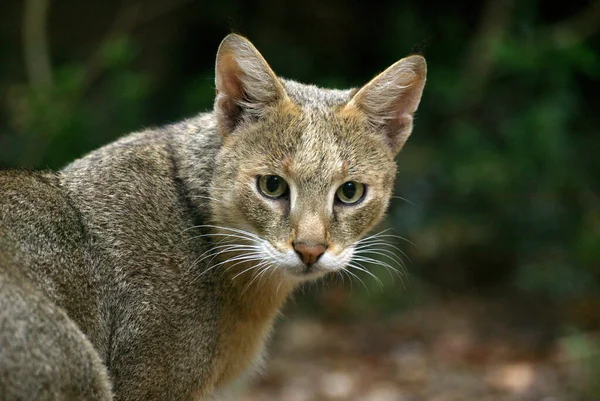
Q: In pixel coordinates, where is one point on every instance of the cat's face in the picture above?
(304, 172)
(308, 183)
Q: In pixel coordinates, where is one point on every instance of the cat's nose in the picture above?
(309, 253)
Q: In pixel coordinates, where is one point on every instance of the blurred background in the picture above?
(498, 191)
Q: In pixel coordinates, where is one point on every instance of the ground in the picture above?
(451, 350)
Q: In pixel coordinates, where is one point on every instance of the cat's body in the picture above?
(161, 260)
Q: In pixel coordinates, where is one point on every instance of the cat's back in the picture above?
(36, 217)
(28, 193)
(41, 246)
(41, 234)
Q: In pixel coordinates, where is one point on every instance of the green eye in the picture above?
(272, 186)
(350, 192)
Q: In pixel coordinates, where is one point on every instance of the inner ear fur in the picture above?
(390, 100)
(245, 83)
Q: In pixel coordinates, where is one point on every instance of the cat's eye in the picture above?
(272, 186)
(350, 192)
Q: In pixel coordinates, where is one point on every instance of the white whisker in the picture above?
(405, 200)
(221, 249)
(260, 265)
(382, 243)
(376, 262)
(379, 237)
(382, 252)
(235, 260)
(359, 279)
(368, 272)
(248, 269)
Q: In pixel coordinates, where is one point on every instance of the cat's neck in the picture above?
(251, 303)
(256, 293)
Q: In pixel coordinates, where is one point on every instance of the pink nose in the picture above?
(309, 253)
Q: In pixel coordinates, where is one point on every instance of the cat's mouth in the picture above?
(308, 268)
(309, 271)
(291, 264)
(313, 269)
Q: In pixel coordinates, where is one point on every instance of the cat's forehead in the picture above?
(325, 147)
(314, 141)
(312, 96)
(317, 154)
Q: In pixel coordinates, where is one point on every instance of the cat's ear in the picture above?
(390, 100)
(245, 83)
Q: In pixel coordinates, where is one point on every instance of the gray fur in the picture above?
(100, 251)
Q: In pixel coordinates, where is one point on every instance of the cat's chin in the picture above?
(306, 273)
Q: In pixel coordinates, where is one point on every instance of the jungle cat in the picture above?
(153, 268)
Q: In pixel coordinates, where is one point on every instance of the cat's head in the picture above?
(305, 172)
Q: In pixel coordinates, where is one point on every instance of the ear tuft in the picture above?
(390, 100)
(245, 83)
